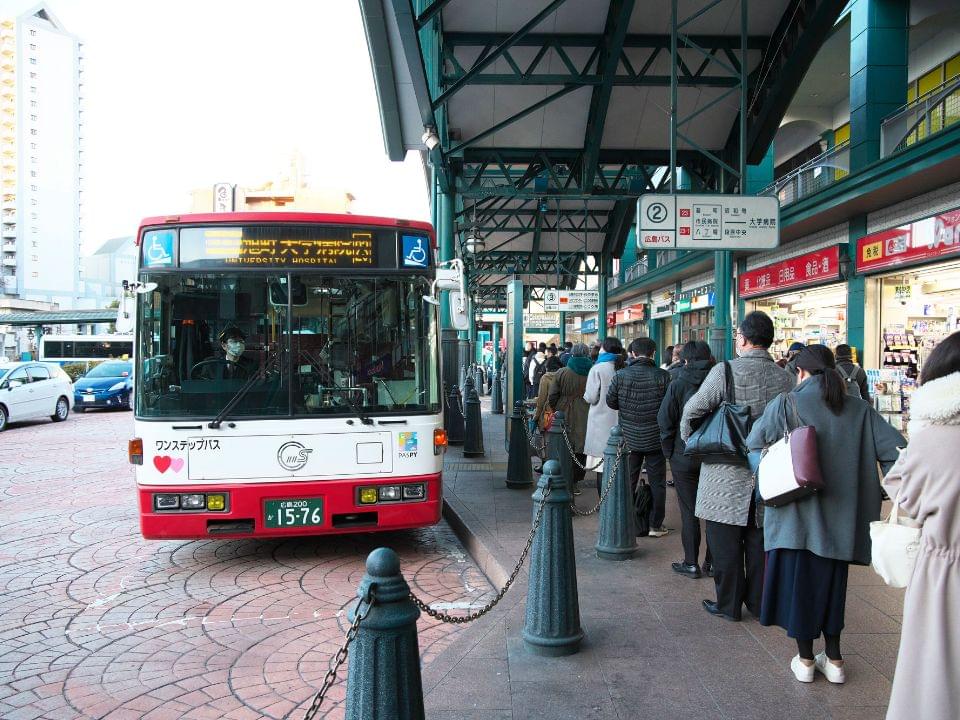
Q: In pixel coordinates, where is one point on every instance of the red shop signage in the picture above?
(813, 268)
(925, 239)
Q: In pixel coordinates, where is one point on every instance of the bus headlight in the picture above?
(192, 502)
(389, 493)
(368, 495)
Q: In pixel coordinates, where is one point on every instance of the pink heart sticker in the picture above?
(176, 464)
(161, 462)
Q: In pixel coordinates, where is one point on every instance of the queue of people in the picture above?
(788, 564)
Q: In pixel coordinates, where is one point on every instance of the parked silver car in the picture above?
(30, 390)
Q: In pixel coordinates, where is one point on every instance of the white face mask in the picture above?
(236, 347)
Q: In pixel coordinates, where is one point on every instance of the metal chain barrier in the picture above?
(461, 619)
(573, 455)
(606, 490)
(341, 656)
(542, 449)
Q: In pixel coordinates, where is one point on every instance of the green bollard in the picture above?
(617, 534)
(519, 469)
(383, 681)
(496, 396)
(455, 427)
(557, 448)
(473, 434)
(552, 623)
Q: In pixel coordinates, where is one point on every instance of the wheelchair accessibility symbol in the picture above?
(158, 249)
(415, 253)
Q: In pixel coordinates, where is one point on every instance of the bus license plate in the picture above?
(306, 512)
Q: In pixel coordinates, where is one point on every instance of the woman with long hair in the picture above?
(811, 542)
(925, 483)
(601, 419)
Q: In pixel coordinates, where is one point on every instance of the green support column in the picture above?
(606, 263)
(495, 336)
(856, 288)
(879, 35)
(513, 331)
(741, 303)
(761, 175)
(721, 335)
(449, 349)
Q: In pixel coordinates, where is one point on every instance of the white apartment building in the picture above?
(41, 159)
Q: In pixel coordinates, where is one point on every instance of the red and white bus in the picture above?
(287, 375)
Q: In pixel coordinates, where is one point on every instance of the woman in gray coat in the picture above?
(811, 542)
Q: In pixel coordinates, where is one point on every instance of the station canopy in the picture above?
(554, 116)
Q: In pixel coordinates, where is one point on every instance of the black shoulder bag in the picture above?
(721, 439)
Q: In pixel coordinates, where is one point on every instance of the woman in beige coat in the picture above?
(927, 476)
(566, 394)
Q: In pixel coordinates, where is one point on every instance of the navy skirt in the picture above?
(803, 593)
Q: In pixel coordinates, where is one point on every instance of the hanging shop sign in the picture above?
(541, 321)
(708, 222)
(923, 240)
(633, 313)
(810, 269)
(588, 325)
(571, 300)
(611, 319)
(661, 309)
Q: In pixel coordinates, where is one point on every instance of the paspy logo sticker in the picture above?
(408, 444)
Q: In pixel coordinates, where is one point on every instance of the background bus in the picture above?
(287, 376)
(65, 349)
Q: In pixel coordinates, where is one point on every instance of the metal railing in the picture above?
(814, 175)
(918, 120)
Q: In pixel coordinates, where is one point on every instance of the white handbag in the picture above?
(790, 468)
(895, 548)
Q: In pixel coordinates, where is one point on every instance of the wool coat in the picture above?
(725, 491)
(601, 417)
(835, 522)
(927, 476)
(566, 394)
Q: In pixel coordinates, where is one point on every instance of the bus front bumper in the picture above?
(286, 509)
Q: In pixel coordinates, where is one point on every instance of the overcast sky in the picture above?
(181, 94)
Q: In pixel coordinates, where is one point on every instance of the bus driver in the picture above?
(232, 365)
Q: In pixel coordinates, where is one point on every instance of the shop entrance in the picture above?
(806, 316)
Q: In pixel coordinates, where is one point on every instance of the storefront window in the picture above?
(807, 316)
(918, 309)
(695, 325)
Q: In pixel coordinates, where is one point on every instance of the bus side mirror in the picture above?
(458, 311)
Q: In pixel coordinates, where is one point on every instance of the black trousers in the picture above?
(656, 477)
(578, 472)
(686, 479)
(737, 564)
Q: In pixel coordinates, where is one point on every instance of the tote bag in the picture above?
(721, 438)
(895, 548)
(790, 468)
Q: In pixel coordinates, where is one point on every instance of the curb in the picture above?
(489, 555)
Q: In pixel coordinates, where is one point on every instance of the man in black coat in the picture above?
(851, 372)
(636, 392)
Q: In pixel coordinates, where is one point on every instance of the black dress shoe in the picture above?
(711, 607)
(708, 569)
(691, 570)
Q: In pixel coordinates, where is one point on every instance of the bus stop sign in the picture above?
(708, 222)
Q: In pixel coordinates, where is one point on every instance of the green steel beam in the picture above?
(496, 54)
(430, 12)
(581, 40)
(537, 235)
(802, 30)
(591, 80)
(614, 34)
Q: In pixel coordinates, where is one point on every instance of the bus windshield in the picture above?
(309, 344)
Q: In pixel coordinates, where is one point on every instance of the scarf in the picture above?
(580, 365)
(607, 357)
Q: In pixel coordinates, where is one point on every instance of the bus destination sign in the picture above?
(265, 247)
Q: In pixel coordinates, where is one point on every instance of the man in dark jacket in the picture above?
(851, 372)
(637, 391)
(685, 470)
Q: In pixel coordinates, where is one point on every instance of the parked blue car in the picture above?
(108, 385)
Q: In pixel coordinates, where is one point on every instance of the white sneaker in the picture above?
(802, 671)
(833, 673)
(659, 532)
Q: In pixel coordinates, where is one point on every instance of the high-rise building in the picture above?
(41, 159)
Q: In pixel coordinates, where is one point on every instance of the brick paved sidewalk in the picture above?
(96, 622)
(650, 649)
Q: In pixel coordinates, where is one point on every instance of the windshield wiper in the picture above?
(260, 374)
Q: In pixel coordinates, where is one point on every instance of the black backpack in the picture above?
(539, 370)
(852, 387)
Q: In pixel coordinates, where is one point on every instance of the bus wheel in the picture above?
(63, 409)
